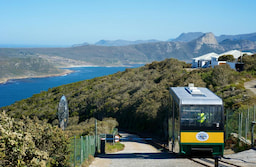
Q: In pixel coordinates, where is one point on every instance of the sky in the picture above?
(68, 22)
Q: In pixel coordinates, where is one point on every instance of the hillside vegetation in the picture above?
(31, 142)
(30, 66)
(138, 98)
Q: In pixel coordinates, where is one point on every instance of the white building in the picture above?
(211, 59)
(203, 60)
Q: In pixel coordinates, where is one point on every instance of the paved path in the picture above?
(140, 154)
(251, 85)
(246, 158)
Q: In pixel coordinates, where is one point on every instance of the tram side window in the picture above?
(209, 117)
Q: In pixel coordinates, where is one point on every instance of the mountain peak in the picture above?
(186, 37)
(208, 38)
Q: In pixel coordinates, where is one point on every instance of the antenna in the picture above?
(63, 113)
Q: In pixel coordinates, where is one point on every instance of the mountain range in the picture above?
(185, 47)
(184, 37)
(140, 53)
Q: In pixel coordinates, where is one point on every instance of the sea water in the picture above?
(15, 90)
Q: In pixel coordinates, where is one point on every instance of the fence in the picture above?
(81, 147)
(240, 123)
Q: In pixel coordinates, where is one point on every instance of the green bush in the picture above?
(31, 143)
(229, 58)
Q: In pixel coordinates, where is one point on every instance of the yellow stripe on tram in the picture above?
(202, 137)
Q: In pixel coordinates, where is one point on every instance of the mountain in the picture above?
(246, 45)
(122, 42)
(206, 42)
(187, 37)
(249, 37)
(136, 53)
(83, 44)
(24, 67)
(104, 55)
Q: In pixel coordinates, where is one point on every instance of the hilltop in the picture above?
(25, 67)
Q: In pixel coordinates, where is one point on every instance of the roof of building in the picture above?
(201, 96)
(206, 56)
(235, 53)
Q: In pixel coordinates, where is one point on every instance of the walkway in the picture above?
(251, 85)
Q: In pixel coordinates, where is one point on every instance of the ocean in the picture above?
(15, 90)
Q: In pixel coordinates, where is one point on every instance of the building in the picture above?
(203, 61)
(211, 59)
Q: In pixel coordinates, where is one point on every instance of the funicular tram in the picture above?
(196, 122)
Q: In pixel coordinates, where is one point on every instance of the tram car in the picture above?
(196, 122)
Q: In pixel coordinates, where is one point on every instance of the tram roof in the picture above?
(204, 97)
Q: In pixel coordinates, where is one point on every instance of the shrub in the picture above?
(31, 142)
(229, 58)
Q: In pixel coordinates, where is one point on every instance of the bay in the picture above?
(15, 90)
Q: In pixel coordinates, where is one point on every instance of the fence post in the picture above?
(81, 153)
(239, 126)
(96, 144)
(84, 147)
(93, 145)
(74, 151)
(253, 112)
(87, 146)
(241, 123)
(227, 125)
(245, 133)
(252, 139)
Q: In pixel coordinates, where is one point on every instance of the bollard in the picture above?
(102, 146)
(252, 140)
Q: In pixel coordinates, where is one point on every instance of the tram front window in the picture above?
(201, 117)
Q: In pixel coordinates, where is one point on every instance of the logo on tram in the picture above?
(202, 136)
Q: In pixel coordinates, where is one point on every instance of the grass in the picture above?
(87, 162)
(111, 148)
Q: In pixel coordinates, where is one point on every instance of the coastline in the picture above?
(65, 72)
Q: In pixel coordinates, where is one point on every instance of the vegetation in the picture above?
(250, 63)
(137, 98)
(25, 67)
(31, 143)
(111, 148)
(229, 58)
(87, 127)
(88, 162)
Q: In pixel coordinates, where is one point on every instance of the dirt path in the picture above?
(251, 85)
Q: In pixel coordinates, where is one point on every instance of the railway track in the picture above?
(209, 162)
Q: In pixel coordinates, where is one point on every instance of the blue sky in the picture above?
(67, 22)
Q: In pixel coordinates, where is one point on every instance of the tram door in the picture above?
(174, 127)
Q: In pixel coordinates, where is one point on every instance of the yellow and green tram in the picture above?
(196, 122)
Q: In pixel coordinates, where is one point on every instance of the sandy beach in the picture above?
(65, 72)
